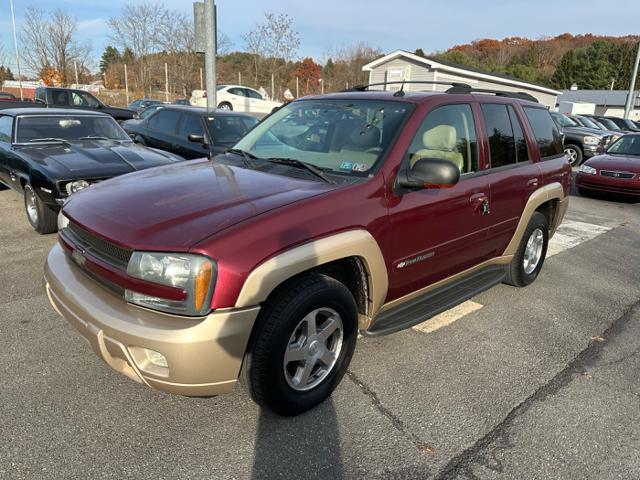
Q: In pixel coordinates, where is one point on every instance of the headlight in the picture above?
(73, 187)
(195, 274)
(63, 221)
(591, 140)
(588, 170)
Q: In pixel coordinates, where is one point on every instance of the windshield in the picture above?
(587, 122)
(627, 145)
(564, 121)
(342, 136)
(67, 127)
(609, 124)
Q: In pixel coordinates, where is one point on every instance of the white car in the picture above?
(236, 97)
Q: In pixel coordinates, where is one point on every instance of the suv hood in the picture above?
(584, 131)
(175, 207)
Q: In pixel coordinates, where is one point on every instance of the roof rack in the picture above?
(363, 88)
(455, 87)
(497, 93)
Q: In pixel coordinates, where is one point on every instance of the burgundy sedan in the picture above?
(616, 171)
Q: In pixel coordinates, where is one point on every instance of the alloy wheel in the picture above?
(533, 251)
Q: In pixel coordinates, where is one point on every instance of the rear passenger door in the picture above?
(513, 175)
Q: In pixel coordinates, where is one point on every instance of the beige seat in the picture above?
(440, 142)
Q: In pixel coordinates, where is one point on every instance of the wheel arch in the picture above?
(352, 257)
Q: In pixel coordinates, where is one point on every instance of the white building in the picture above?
(401, 65)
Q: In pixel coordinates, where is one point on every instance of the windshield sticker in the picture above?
(359, 167)
(346, 166)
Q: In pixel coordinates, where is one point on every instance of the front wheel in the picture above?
(529, 257)
(573, 154)
(225, 106)
(302, 345)
(42, 218)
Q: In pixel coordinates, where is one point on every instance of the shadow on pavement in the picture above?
(307, 446)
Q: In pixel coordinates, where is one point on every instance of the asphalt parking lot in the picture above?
(528, 383)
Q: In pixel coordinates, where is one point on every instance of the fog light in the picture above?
(156, 358)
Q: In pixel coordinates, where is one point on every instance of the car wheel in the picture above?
(301, 345)
(529, 257)
(573, 154)
(41, 217)
(225, 106)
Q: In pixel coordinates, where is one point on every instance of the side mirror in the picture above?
(136, 116)
(430, 173)
(193, 137)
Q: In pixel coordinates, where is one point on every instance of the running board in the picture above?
(437, 301)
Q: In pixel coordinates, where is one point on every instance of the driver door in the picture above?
(440, 232)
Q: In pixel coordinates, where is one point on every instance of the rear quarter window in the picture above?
(546, 131)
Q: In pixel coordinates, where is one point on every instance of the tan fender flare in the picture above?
(353, 243)
(553, 191)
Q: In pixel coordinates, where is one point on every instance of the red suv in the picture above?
(364, 211)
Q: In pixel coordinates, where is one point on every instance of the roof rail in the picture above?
(497, 93)
(362, 88)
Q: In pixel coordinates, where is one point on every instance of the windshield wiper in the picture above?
(50, 139)
(300, 164)
(95, 137)
(248, 157)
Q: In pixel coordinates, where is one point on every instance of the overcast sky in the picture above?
(389, 25)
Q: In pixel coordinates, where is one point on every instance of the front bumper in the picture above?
(591, 151)
(204, 355)
(608, 184)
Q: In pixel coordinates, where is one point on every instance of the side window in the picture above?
(447, 133)
(60, 97)
(6, 123)
(500, 133)
(190, 124)
(164, 121)
(227, 129)
(252, 94)
(546, 132)
(88, 99)
(237, 91)
(77, 100)
(522, 152)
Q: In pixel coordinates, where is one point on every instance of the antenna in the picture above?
(400, 93)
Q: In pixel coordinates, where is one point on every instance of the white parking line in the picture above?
(448, 317)
(572, 233)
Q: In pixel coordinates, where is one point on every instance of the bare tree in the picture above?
(49, 43)
(272, 41)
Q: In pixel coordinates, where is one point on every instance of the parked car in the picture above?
(624, 124)
(7, 96)
(142, 103)
(190, 132)
(594, 125)
(139, 116)
(54, 97)
(182, 101)
(607, 123)
(616, 171)
(364, 210)
(48, 156)
(579, 142)
(238, 98)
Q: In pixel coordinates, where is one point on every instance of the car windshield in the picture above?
(342, 136)
(609, 124)
(564, 121)
(67, 127)
(627, 145)
(587, 122)
(148, 111)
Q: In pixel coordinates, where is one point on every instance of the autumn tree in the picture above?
(308, 73)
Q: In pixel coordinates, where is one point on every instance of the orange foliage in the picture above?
(50, 76)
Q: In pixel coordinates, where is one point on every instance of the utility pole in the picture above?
(273, 88)
(632, 86)
(15, 45)
(126, 83)
(210, 53)
(297, 87)
(201, 81)
(75, 67)
(166, 83)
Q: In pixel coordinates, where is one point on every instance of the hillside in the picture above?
(590, 61)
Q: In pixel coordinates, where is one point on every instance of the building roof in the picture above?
(459, 69)
(607, 98)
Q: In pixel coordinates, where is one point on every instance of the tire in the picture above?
(281, 324)
(520, 273)
(225, 106)
(42, 218)
(573, 154)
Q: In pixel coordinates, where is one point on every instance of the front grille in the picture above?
(101, 248)
(615, 174)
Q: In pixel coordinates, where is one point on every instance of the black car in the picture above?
(580, 142)
(142, 103)
(191, 132)
(606, 122)
(590, 122)
(47, 155)
(624, 124)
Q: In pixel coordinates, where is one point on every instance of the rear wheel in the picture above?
(302, 345)
(529, 257)
(573, 154)
(225, 106)
(42, 218)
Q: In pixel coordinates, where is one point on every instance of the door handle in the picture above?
(533, 183)
(480, 203)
